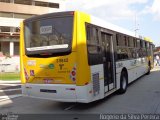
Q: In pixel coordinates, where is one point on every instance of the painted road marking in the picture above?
(70, 107)
(3, 98)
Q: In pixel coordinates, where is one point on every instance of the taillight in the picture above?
(71, 13)
(73, 74)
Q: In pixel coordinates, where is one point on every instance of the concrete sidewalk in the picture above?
(9, 89)
(10, 82)
(156, 68)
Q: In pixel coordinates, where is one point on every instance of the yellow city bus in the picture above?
(75, 57)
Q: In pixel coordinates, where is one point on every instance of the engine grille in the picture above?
(96, 85)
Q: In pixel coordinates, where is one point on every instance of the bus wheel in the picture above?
(149, 69)
(123, 82)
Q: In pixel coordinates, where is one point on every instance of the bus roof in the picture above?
(94, 20)
(113, 27)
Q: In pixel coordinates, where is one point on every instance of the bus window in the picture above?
(131, 42)
(93, 42)
(125, 41)
(117, 39)
(141, 44)
(147, 45)
(88, 31)
(134, 43)
(48, 35)
(138, 43)
(93, 45)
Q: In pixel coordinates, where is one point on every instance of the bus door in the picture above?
(108, 61)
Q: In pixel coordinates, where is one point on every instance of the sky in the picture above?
(143, 15)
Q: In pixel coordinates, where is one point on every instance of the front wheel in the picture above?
(149, 69)
(123, 83)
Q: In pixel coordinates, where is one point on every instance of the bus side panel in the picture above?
(87, 89)
(95, 89)
(22, 53)
(74, 41)
(135, 68)
(97, 72)
(83, 69)
(84, 87)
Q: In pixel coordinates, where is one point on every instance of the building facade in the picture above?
(12, 12)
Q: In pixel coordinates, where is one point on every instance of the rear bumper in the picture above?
(57, 92)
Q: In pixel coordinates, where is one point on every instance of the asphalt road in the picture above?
(9, 90)
(142, 97)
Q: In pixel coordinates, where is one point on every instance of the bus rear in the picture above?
(51, 64)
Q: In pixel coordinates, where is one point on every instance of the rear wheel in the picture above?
(123, 82)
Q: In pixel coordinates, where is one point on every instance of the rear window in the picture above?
(51, 35)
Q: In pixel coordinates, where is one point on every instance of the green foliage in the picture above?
(9, 76)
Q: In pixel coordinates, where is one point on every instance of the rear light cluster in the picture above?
(73, 74)
(72, 13)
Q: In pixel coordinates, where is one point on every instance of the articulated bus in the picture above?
(75, 57)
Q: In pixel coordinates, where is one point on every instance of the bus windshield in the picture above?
(48, 35)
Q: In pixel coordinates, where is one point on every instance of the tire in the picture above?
(149, 69)
(123, 82)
